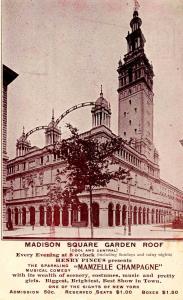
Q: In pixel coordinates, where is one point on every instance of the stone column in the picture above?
(13, 216)
(131, 215)
(103, 217)
(120, 219)
(95, 120)
(126, 219)
(169, 216)
(52, 216)
(141, 217)
(28, 216)
(161, 217)
(79, 215)
(114, 217)
(37, 216)
(19, 217)
(150, 217)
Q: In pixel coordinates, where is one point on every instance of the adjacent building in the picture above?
(8, 77)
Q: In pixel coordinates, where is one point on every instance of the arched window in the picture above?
(16, 216)
(49, 216)
(65, 216)
(84, 213)
(56, 215)
(110, 214)
(32, 215)
(41, 217)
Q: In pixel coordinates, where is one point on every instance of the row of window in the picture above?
(131, 90)
(135, 131)
(135, 27)
(12, 168)
(169, 193)
(135, 109)
(133, 68)
(26, 166)
(132, 76)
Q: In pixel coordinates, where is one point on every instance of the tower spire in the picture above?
(53, 117)
(101, 92)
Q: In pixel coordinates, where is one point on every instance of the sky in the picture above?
(63, 50)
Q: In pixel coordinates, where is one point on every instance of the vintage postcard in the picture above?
(92, 149)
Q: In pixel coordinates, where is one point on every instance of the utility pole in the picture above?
(129, 178)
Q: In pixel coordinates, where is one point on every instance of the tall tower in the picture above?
(135, 118)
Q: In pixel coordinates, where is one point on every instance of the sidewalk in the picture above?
(159, 231)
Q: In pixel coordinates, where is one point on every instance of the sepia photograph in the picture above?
(92, 120)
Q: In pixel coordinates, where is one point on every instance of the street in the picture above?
(160, 231)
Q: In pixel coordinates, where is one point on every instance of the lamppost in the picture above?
(164, 221)
(129, 178)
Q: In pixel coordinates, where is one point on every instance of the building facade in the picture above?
(8, 77)
(152, 200)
